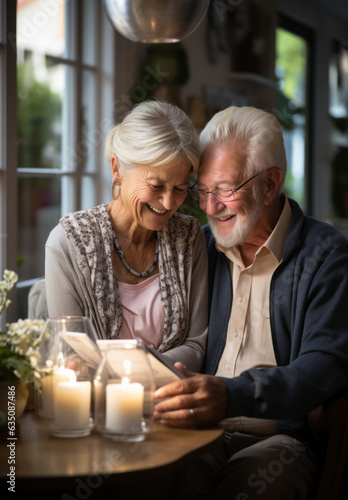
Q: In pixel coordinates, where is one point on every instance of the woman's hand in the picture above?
(195, 400)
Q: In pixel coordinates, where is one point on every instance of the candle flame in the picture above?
(60, 359)
(127, 366)
(70, 373)
(125, 380)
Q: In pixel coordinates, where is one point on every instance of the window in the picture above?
(2, 138)
(338, 112)
(2, 135)
(7, 140)
(59, 78)
(293, 107)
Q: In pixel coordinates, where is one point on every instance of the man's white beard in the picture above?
(242, 226)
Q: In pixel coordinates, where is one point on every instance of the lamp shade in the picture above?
(155, 21)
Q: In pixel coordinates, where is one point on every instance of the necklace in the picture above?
(128, 267)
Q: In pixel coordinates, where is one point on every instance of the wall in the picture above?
(210, 67)
(326, 27)
(213, 69)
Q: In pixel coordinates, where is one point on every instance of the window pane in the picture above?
(2, 168)
(2, 23)
(69, 202)
(40, 90)
(291, 64)
(338, 79)
(2, 115)
(70, 29)
(41, 26)
(38, 213)
(40, 39)
(88, 193)
(89, 32)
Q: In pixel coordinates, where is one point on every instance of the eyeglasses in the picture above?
(221, 194)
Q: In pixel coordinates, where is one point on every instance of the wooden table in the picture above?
(95, 467)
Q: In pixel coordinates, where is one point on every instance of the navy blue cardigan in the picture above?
(309, 325)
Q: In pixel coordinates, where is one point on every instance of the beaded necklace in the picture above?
(128, 267)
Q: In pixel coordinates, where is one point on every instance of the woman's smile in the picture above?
(159, 212)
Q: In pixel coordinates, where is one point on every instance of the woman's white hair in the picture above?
(154, 133)
(257, 134)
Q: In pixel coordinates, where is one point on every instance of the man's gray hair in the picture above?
(257, 134)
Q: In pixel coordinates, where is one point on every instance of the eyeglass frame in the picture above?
(232, 191)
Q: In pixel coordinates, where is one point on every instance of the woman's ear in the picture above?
(274, 178)
(114, 167)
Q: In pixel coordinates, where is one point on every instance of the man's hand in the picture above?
(195, 400)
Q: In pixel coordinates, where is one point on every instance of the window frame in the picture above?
(305, 32)
(74, 173)
(8, 174)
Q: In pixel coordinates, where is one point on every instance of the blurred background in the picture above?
(67, 76)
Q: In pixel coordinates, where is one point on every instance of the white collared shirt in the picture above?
(249, 340)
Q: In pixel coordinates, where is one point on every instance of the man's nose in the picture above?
(212, 206)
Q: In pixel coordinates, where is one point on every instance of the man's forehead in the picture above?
(223, 152)
(221, 163)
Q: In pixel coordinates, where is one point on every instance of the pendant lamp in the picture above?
(155, 21)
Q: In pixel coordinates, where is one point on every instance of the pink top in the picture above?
(142, 309)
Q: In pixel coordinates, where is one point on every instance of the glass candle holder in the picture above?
(67, 365)
(123, 392)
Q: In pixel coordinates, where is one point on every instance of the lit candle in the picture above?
(72, 404)
(48, 388)
(124, 406)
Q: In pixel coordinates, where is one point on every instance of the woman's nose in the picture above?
(168, 200)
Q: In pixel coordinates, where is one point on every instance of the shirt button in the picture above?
(235, 334)
(228, 367)
(241, 299)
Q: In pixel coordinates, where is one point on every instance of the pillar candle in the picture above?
(48, 387)
(72, 405)
(124, 407)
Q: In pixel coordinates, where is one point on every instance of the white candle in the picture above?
(124, 406)
(72, 404)
(48, 388)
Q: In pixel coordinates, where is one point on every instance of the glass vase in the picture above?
(68, 361)
(123, 392)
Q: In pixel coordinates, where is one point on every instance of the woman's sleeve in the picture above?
(61, 284)
(191, 352)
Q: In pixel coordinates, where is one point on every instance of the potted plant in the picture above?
(18, 356)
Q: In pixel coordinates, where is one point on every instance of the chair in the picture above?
(331, 419)
(37, 305)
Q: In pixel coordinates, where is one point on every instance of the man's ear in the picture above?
(273, 180)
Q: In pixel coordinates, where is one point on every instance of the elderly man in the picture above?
(278, 330)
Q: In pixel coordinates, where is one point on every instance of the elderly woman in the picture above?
(135, 266)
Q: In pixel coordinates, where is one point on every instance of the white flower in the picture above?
(24, 335)
(33, 360)
(10, 278)
(18, 346)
